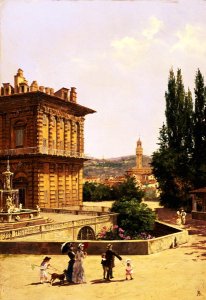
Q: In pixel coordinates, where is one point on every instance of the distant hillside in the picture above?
(112, 167)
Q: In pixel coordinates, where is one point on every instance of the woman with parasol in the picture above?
(69, 249)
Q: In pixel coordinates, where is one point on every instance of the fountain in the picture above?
(10, 208)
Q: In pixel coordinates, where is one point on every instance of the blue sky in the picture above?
(116, 53)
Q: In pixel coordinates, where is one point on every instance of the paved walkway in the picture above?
(172, 274)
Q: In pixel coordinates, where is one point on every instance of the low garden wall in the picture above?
(79, 210)
(96, 247)
(199, 215)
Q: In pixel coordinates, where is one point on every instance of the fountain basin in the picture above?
(24, 214)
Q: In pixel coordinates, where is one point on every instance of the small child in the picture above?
(43, 267)
(129, 269)
(103, 263)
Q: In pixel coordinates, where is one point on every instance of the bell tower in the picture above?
(139, 152)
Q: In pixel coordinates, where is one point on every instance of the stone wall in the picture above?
(135, 247)
(199, 215)
(59, 231)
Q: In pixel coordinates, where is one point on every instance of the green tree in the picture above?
(134, 217)
(101, 192)
(199, 157)
(96, 192)
(88, 190)
(171, 162)
(128, 189)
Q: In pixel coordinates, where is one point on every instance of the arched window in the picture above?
(86, 233)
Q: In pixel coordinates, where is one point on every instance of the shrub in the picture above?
(112, 233)
(134, 217)
(117, 233)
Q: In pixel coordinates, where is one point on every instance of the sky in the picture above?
(116, 53)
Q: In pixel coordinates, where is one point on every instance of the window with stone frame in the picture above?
(19, 132)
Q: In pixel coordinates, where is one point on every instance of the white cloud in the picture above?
(154, 27)
(129, 51)
(191, 39)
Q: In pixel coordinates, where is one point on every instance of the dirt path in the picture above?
(172, 274)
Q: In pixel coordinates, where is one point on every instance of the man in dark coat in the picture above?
(110, 254)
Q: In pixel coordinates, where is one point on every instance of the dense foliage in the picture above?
(134, 217)
(180, 162)
(134, 221)
(127, 189)
(96, 192)
(99, 192)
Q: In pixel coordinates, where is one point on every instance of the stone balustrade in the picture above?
(42, 150)
(78, 210)
(74, 226)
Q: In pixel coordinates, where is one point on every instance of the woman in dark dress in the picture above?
(71, 255)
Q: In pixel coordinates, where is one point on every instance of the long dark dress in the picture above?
(71, 262)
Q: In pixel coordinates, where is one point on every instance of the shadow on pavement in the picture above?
(96, 281)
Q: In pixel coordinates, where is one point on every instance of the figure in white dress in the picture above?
(183, 217)
(129, 269)
(78, 275)
(178, 221)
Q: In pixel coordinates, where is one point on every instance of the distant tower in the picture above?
(139, 152)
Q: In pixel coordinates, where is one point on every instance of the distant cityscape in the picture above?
(113, 171)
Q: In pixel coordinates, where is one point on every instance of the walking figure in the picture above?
(183, 217)
(104, 266)
(43, 269)
(78, 275)
(110, 260)
(71, 262)
(179, 220)
(129, 269)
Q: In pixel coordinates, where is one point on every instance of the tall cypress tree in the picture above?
(188, 124)
(199, 132)
(171, 163)
(171, 109)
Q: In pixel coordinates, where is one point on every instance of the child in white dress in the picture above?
(129, 269)
(43, 269)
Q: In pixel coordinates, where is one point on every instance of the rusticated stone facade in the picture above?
(42, 132)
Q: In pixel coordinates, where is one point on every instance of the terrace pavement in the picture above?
(173, 274)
